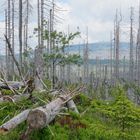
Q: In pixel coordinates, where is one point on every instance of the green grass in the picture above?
(91, 124)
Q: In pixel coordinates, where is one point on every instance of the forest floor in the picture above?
(116, 119)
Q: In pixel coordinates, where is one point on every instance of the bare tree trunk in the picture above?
(13, 34)
(26, 36)
(96, 67)
(20, 32)
(114, 51)
(111, 63)
(6, 48)
(71, 105)
(9, 38)
(39, 34)
(27, 20)
(106, 72)
(41, 116)
(117, 45)
(42, 23)
(11, 124)
(38, 60)
(14, 99)
(131, 60)
(39, 63)
(139, 57)
(138, 49)
(124, 68)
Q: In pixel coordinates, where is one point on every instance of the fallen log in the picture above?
(71, 105)
(11, 124)
(13, 84)
(14, 98)
(41, 116)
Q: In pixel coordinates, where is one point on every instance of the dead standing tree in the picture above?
(138, 52)
(13, 37)
(131, 59)
(38, 59)
(27, 10)
(86, 59)
(117, 45)
(111, 54)
(20, 32)
(6, 48)
(9, 37)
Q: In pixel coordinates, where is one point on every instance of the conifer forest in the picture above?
(69, 70)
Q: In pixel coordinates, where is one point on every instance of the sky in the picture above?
(97, 15)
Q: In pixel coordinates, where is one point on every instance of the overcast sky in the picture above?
(97, 15)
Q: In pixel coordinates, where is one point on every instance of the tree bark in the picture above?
(13, 84)
(13, 35)
(15, 98)
(41, 116)
(38, 68)
(11, 124)
(20, 33)
(71, 105)
(9, 38)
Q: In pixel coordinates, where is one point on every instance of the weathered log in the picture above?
(13, 84)
(11, 124)
(41, 116)
(71, 105)
(14, 98)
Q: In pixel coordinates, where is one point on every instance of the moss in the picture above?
(97, 123)
(6, 92)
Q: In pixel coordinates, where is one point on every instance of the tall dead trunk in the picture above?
(39, 34)
(6, 48)
(27, 21)
(42, 23)
(111, 49)
(138, 51)
(124, 68)
(38, 59)
(9, 38)
(131, 60)
(13, 34)
(27, 8)
(20, 32)
(117, 45)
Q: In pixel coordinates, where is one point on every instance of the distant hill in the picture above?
(100, 49)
